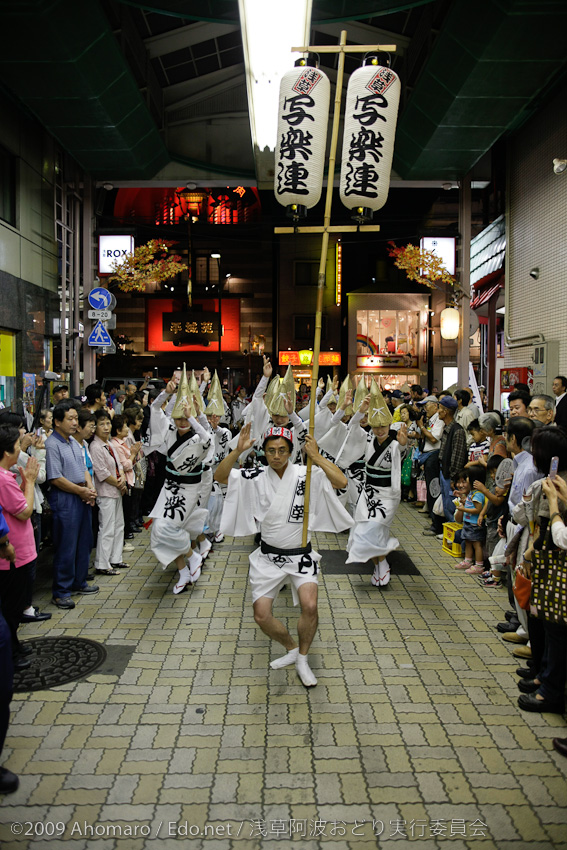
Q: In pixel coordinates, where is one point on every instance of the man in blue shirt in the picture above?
(71, 496)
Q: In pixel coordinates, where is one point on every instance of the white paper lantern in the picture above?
(450, 322)
(371, 113)
(303, 115)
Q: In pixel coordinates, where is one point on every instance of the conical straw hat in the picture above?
(275, 402)
(333, 399)
(196, 393)
(272, 392)
(378, 413)
(215, 403)
(183, 398)
(346, 385)
(360, 394)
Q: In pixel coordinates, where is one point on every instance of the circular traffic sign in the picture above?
(101, 299)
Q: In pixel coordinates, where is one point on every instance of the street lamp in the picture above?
(217, 257)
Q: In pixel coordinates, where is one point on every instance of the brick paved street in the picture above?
(413, 732)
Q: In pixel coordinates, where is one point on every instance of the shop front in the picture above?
(389, 337)
(301, 363)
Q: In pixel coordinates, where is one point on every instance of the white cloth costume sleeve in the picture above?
(259, 498)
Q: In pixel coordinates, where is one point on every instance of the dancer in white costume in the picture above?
(274, 405)
(213, 492)
(381, 493)
(178, 516)
(271, 499)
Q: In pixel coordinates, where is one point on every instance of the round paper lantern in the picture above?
(305, 357)
(371, 113)
(450, 322)
(303, 115)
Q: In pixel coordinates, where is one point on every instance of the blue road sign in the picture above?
(99, 336)
(100, 298)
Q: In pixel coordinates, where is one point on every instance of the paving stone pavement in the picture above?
(412, 736)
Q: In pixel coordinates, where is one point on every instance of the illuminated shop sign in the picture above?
(191, 327)
(443, 247)
(326, 358)
(113, 248)
(387, 361)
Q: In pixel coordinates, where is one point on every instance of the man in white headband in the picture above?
(271, 499)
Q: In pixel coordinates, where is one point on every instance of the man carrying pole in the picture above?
(271, 499)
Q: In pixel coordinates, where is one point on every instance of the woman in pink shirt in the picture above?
(17, 507)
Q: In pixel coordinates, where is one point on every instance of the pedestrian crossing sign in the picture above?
(99, 336)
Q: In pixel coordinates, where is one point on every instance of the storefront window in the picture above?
(387, 332)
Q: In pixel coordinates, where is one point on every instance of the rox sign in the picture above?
(113, 247)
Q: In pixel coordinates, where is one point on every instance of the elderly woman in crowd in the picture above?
(491, 425)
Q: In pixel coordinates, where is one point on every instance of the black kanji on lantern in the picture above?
(296, 143)
(293, 178)
(362, 180)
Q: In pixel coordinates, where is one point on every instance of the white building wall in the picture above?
(537, 234)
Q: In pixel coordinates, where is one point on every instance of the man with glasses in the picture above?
(271, 498)
(542, 409)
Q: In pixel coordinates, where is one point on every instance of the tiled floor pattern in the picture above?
(412, 736)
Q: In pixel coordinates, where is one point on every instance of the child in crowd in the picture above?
(471, 503)
(480, 445)
(496, 493)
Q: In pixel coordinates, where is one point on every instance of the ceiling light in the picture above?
(559, 166)
(110, 186)
(269, 31)
(215, 256)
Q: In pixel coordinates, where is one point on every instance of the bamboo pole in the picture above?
(322, 264)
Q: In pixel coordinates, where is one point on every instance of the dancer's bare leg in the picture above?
(306, 628)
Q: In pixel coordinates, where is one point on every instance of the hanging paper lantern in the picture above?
(450, 322)
(303, 114)
(305, 357)
(371, 112)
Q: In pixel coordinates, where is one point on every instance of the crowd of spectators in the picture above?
(81, 479)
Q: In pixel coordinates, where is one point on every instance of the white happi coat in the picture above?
(259, 500)
(377, 504)
(178, 514)
(214, 496)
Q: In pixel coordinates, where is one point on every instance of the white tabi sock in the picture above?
(205, 547)
(285, 660)
(381, 574)
(195, 562)
(183, 581)
(305, 672)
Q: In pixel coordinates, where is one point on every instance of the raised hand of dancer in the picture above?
(268, 368)
(245, 441)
